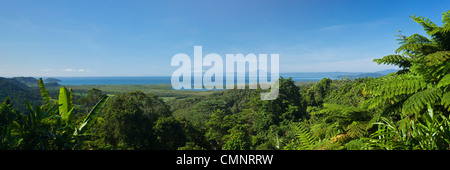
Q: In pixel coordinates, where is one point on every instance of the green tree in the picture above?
(288, 106)
(7, 113)
(169, 133)
(317, 93)
(8, 116)
(127, 122)
(238, 139)
(272, 117)
(217, 128)
(139, 121)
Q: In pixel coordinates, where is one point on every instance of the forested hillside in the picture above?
(405, 110)
(18, 93)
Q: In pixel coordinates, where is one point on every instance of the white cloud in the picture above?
(70, 70)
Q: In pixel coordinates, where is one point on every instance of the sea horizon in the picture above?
(130, 80)
(140, 80)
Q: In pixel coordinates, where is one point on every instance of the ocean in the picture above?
(137, 80)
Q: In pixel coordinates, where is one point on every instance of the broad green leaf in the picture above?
(65, 104)
(64, 101)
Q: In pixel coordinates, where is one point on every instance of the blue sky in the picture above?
(139, 38)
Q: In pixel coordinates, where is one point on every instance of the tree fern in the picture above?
(423, 91)
(417, 94)
(427, 78)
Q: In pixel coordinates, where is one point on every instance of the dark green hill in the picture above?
(374, 75)
(51, 80)
(27, 81)
(18, 93)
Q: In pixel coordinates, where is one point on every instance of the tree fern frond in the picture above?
(445, 81)
(419, 100)
(446, 25)
(397, 60)
(446, 19)
(445, 100)
(330, 109)
(356, 129)
(305, 138)
(417, 38)
(446, 29)
(402, 39)
(393, 85)
(431, 74)
(373, 102)
(418, 48)
(426, 23)
(437, 58)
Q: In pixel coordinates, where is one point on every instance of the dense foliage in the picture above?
(405, 110)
